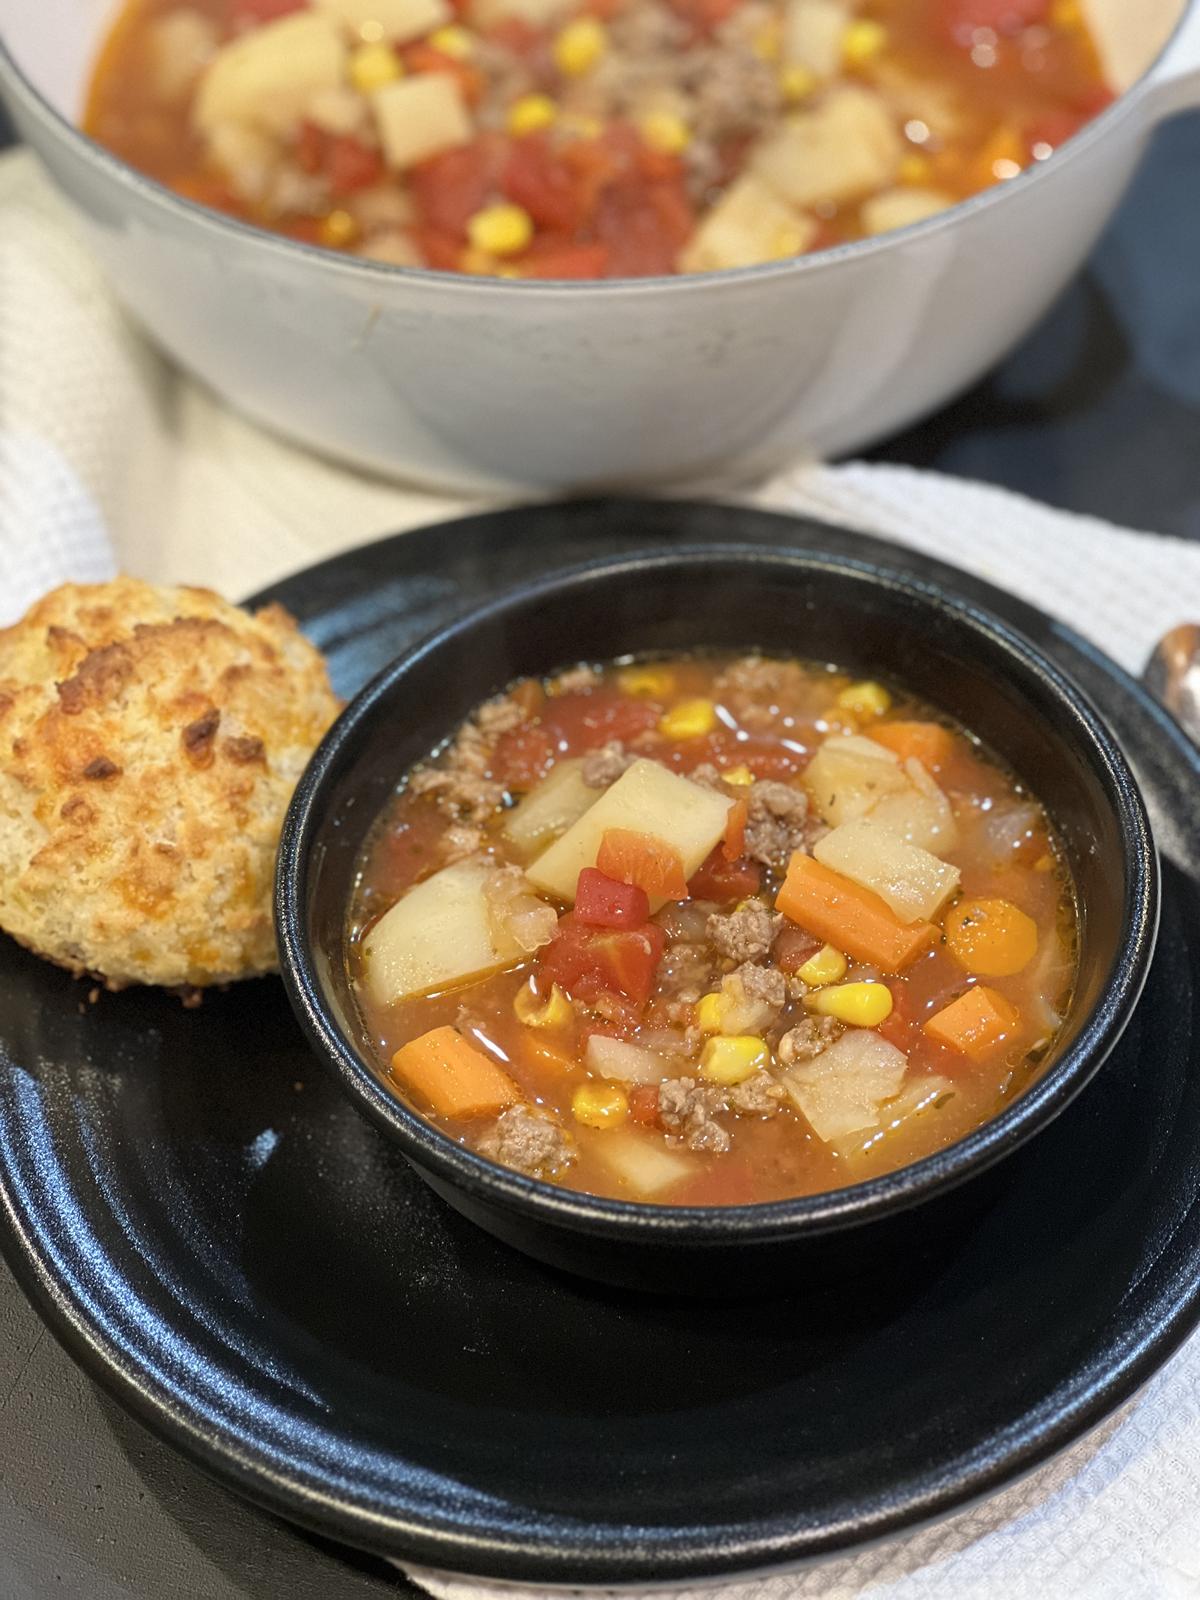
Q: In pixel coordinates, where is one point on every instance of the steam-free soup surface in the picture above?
(608, 138)
(711, 930)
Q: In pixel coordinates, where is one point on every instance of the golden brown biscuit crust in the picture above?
(150, 739)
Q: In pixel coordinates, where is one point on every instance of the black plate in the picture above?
(222, 1241)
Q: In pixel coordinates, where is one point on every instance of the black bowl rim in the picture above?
(839, 1209)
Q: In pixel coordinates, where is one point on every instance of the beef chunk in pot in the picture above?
(746, 934)
(687, 1110)
(527, 1141)
(777, 823)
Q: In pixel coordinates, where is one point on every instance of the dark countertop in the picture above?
(1098, 411)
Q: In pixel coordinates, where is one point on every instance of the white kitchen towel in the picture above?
(110, 459)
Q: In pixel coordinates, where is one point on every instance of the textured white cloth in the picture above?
(111, 459)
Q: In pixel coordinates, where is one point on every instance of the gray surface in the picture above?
(1098, 411)
(93, 1507)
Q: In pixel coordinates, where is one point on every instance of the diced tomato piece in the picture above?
(537, 178)
(352, 165)
(589, 962)
(793, 947)
(441, 250)
(310, 147)
(522, 756)
(588, 721)
(605, 902)
(733, 844)
(642, 858)
(451, 187)
(643, 1104)
(962, 18)
(517, 35)
(645, 224)
(718, 879)
(253, 13)
(565, 261)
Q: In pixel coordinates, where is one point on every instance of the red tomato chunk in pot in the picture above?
(593, 942)
(576, 139)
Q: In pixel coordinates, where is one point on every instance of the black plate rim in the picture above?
(518, 1560)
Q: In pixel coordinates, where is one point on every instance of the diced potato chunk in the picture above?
(550, 808)
(899, 208)
(400, 20)
(812, 35)
(849, 774)
(917, 1099)
(267, 76)
(647, 799)
(748, 225)
(912, 881)
(420, 116)
(844, 148)
(643, 1164)
(623, 1062)
(842, 1090)
(439, 934)
(921, 813)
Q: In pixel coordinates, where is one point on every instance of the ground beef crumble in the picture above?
(527, 1141)
(687, 1112)
(604, 766)
(761, 693)
(746, 934)
(777, 823)
(460, 785)
(758, 1096)
(575, 680)
(807, 1039)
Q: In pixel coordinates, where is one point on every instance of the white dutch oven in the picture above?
(475, 383)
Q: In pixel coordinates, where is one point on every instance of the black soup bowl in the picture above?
(867, 619)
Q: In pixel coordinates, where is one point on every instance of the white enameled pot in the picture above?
(473, 383)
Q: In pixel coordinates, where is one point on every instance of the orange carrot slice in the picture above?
(927, 742)
(991, 938)
(977, 1023)
(842, 913)
(453, 1076)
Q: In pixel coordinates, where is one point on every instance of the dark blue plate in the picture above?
(213, 1231)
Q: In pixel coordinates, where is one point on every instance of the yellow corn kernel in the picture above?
(864, 699)
(915, 169)
(338, 229)
(453, 41)
(862, 42)
(796, 83)
(766, 43)
(555, 1011)
(500, 230)
(372, 66)
(579, 46)
(600, 1105)
(665, 132)
(729, 1061)
(654, 683)
(1044, 863)
(530, 114)
(709, 1010)
(827, 966)
(860, 1005)
(690, 719)
(741, 777)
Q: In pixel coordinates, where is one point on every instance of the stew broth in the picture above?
(776, 1027)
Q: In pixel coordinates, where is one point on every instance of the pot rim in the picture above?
(802, 1216)
(336, 265)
